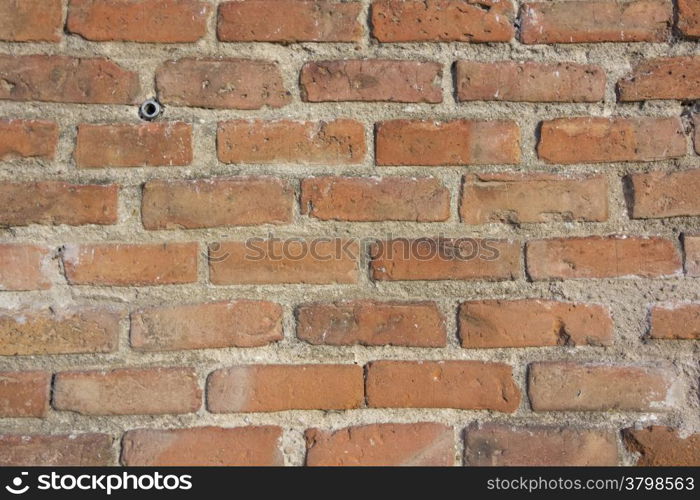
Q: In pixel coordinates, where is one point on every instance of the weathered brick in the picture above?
(663, 446)
(289, 21)
(66, 79)
(126, 145)
(66, 330)
(115, 264)
(458, 142)
(502, 445)
(691, 247)
(259, 261)
(419, 444)
(596, 21)
(24, 394)
(221, 83)
(568, 386)
(85, 450)
(675, 321)
(529, 81)
(203, 446)
(128, 391)
(55, 202)
(442, 20)
(602, 257)
(24, 267)
(370, 199)
(372, 323)
(337, 142)
(445, 259)
(371, 80)
(533, 197)
(31, 20)
(466, 385)
(533, 323)
(665, 194)
(662, 78)
(689, 18)
(239, 323)
(28, 139)
(696, 137)
(601, 140)
(157, 21)
(270, 388)
(214, 202)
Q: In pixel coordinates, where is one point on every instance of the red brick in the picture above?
(258, 261)
(442, 20)
(28, 139)
(31, 20)
(221, 83)
(495, 445)
(238, 323)
(214, 202)
(372, 323)
(459, 142)
(596, 21)
(66, 79)
(601, 140)
(466, 385)
(24, 267)
(662, 78)
(533, 323)
(533, 197)
(568, 386)
(691, 247)
(677, 321)
(24, 394)
(696, 137)
(168, 21)
(529, 81)
(371, 199)
(665, 194)
(85, 450)
(55, 202)
(289, 21)
(126, 145)
(371, 80)
(128, 391)
(65, 330)
(270, 388)
(203, 446)
(445, 259)
(419, 444)
(689, 18)
(114, 264)
(338, 142)
(602, 257)
(663, 446)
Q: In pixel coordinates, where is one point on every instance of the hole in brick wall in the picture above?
(150, 110)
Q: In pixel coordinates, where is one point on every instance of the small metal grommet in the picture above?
(150, 110)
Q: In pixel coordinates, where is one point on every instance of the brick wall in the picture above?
(508, 194)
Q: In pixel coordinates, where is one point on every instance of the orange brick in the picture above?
(28, 139)
(663, 446)
(675, 321)
(24, 394)
(24, 267)
(665, 194)
(85, 450)
(662, 78)
(689, 18)
(31, 20)
(691, 247)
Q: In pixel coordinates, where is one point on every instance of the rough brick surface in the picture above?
(375, 199)
(372, 80)
(241, 323)
(675, 321)
(663, 446)
(500, 445)
(84, 450)
(128, 391)
(203, 446)
(689, 18)
(372, 323)
(459, 142)
(420, 444)
(533, 323)
(529, 81)
(161, 21)
(24, 394)
(24, 267)
(214, 202)
(289, 21)
(665, 194)
(567, 386)
(662, 78)
(691, 246)
(271, 388)
(466, 385)
(31, 20)
(27, 139)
